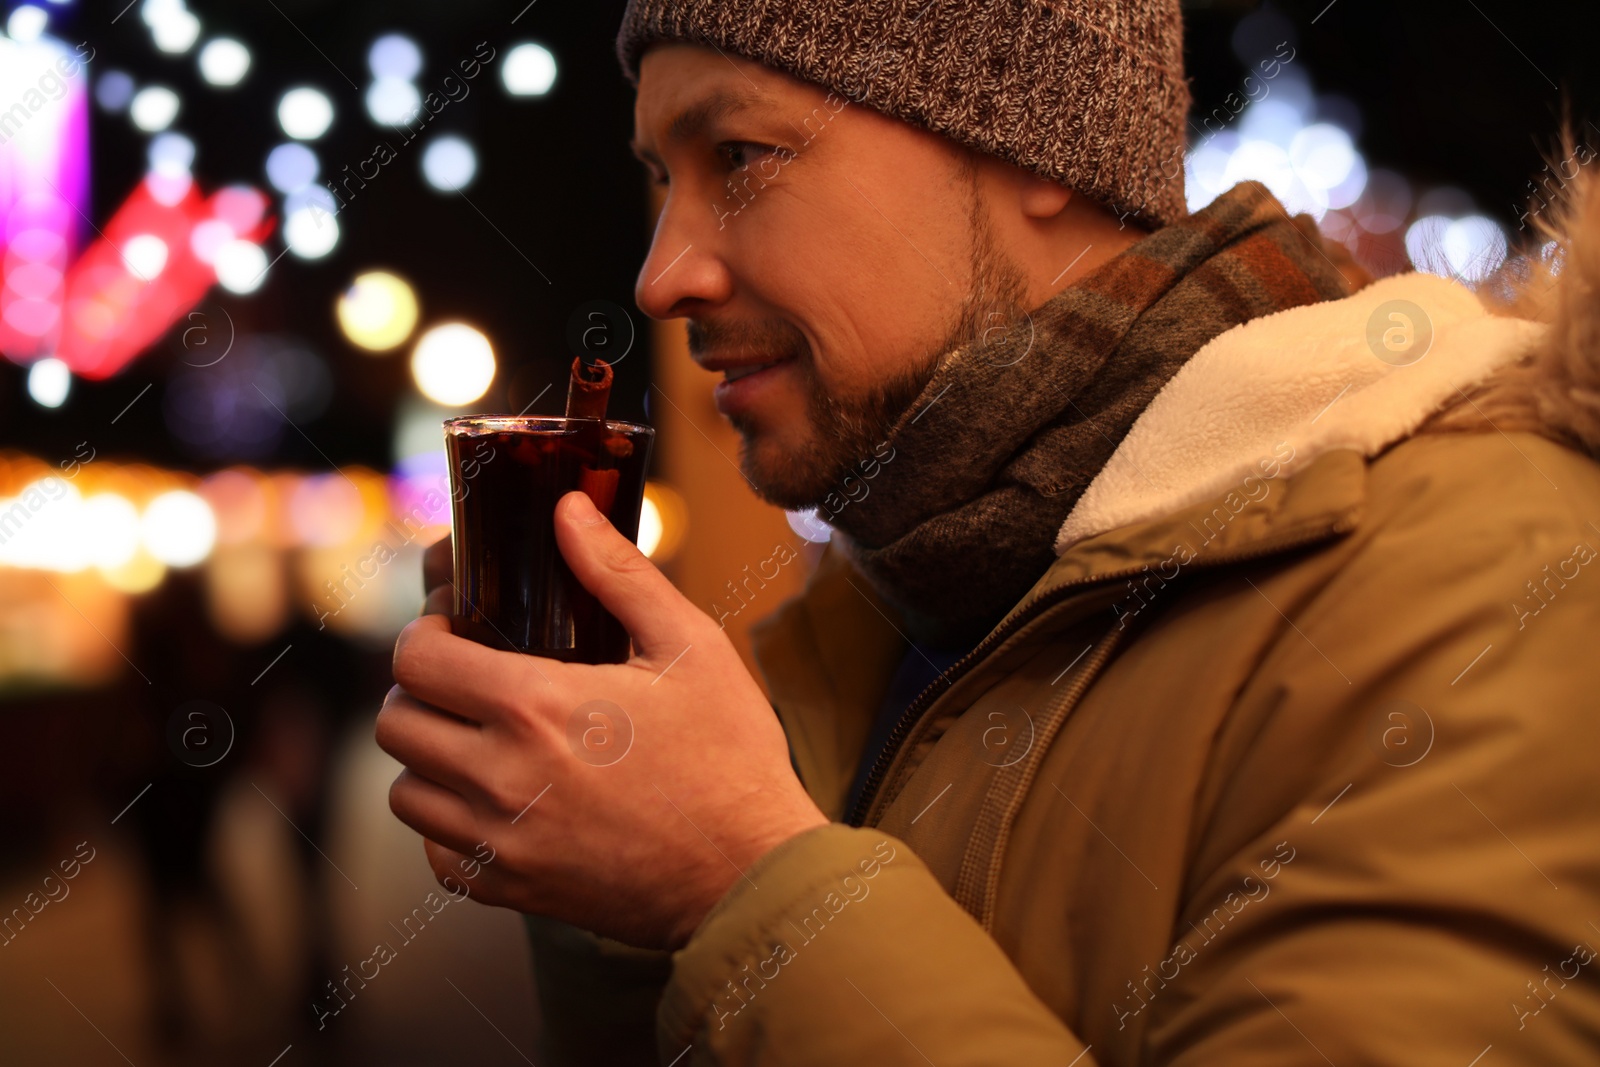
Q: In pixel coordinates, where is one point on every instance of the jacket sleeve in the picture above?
(597, 997)
(840, 946)
(1398, 863)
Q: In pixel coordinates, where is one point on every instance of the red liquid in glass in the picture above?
(514, 591)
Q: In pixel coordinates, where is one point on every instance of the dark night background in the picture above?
(555, 177)
(1446, 99)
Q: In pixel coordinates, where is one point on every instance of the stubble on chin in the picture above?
(836, 435)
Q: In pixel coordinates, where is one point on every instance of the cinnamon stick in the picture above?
(600, 487)
(589, 390)
(587, 395)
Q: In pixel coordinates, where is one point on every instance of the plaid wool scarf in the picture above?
(995, 451)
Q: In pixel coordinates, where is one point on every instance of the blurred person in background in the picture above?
(1204, 680)
(278, 737)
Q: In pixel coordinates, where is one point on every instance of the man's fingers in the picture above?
(623, 579)
(437, 567)
(437, 746)
(445, 863)
(441, 601)
(433, 811)
(461, 676)
(465, 876)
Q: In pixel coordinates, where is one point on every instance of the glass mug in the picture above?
(513, 589)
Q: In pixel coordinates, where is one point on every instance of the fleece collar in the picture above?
(1360, 373)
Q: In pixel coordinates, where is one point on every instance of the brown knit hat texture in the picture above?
(1089, 93)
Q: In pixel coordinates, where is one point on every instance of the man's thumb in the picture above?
(621, 577)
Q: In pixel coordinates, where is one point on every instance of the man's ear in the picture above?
(1041, 198)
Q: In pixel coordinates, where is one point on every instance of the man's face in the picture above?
(849, 247)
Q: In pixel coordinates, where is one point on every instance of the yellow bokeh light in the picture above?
(663, 521)
(247, 592)
(649, 527)
(453, 364)
(140, 574)
(378, 311)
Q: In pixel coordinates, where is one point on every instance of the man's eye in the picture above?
(740, 154)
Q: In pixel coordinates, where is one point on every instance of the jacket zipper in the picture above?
(1035, 607)
(983, 908)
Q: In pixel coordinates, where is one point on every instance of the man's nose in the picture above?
(685, 270)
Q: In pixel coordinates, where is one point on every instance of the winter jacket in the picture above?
(1289, 758)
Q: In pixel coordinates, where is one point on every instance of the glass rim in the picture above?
(463, 424)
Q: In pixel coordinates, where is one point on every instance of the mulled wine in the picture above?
(513, 589)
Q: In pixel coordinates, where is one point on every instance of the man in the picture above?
(1204, 679)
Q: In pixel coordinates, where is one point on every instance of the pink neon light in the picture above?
(112, 313)
(44, 184)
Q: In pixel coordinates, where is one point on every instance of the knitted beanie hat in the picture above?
(1088, 93)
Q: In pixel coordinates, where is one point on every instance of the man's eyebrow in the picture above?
(693, 120)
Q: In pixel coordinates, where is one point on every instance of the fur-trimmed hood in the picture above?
(1410, 354)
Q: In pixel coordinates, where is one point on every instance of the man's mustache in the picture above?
(780, 340)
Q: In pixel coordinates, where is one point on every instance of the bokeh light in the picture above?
(394, 55)
(242, 207)
(325, 510)
(114, 523)
(247, 594)
(1385, 204)
(175, 32)
(1469, 249)
(310, 232)
(171, 154)
(663, 521)
(1302, 146)
(224, 62)
(27, 23)
(154, 108)
(649, 538)
(418, 446)
(291, 167)
(46, 528)
(1323, 155)
(49, 382)
(453, 364)
(239, 502)
(309, 227)
(378, 311)
(449, 163)
(113, 90)
(528, 70)
(140, 574)
(207, 237)
(393, 101)
(305, 113)
(241, 266)
(145, 256)
(178, 528)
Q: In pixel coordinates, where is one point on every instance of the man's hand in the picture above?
(630, 818)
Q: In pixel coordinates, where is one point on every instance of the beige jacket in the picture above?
(1288, 759)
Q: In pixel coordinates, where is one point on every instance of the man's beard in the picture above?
(845, 431)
